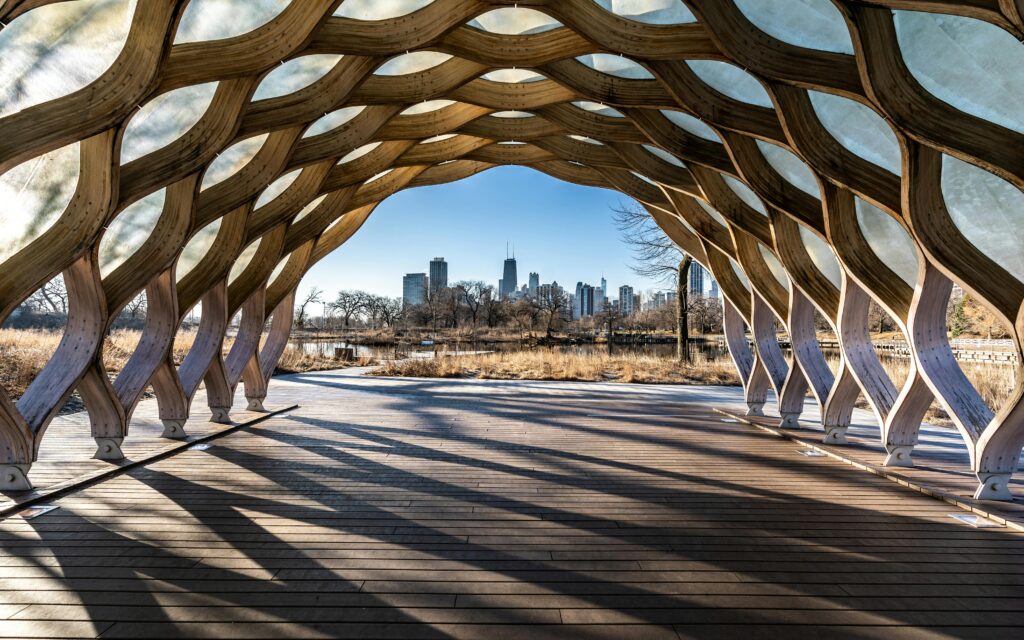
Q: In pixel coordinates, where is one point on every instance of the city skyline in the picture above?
(418, 283)
(563, 232)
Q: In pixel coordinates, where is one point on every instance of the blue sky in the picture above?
(563, 231)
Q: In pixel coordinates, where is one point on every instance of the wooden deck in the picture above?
(434, 509)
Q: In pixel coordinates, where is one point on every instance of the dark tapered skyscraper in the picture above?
(509, 279)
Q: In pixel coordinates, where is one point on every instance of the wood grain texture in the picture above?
(875, 76)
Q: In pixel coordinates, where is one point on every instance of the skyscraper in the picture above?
(714, 289)
(438, 274)
(696, 280)
(626, 300)
(534, 283)
(509, 280)
(586, 300)
(414, 289)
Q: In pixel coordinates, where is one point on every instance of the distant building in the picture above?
(714, 294)
(414, 289)
(438, 274)
(659, 299)
(534, 282)
(509, 281)
(636, 301)
(626, 300)
(696, 280)
(586, 300)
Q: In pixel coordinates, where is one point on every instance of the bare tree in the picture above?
(525, 315)
(495, 309)
(135, 308)
(349, 304)
(656, 256)
(472, 293)
(551, 307)
(52, 297)
(389, 310)
(314, 295)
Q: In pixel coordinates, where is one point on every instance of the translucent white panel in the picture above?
(511, 142)
(821, 255)
(332, 120)
(598, 108)
(412, 63)
(511, 76)
(988, 210)
(232, 159)
(277, 187)
(514, 21)
(686, 122)
(649, 11)
(306, 210)
(197, 248)
(586, 139)
(278, 269)
(973, 65)
(645, 178)
(858, 128)
(790, 167)
(512, 114)
(358, 152)
(33, 195)
(295, 74)
(664, 155)
(732, 81)
(889, 240)
(378, 176)
(740, 274)
(164, 119)
(774, 265)
(713, 213)
(59, 48)
(815, 24)
(217, 19)
(440, 138)
(243, 260)
(129, 230)
(427, 107)
(745, 193)
(613, 65)
(379, 9)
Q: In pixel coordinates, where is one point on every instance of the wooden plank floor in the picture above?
(65, 455)
(941, 459)
(464, 509)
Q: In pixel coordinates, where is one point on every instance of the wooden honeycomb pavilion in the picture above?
(811, 154)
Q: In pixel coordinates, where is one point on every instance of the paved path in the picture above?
(430, 509)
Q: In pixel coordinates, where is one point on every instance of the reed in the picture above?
(551, 364)
(24, 352)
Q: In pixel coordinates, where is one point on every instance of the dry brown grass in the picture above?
(24, 352)
(556, 365)
(995, 384)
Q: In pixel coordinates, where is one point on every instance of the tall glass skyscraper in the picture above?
(414, 289)
(438, 274)
(696, 279)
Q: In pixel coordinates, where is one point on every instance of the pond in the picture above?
(711, 350)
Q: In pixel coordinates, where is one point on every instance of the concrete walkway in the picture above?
(439, 508)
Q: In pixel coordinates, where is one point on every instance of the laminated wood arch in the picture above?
(807, 172)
